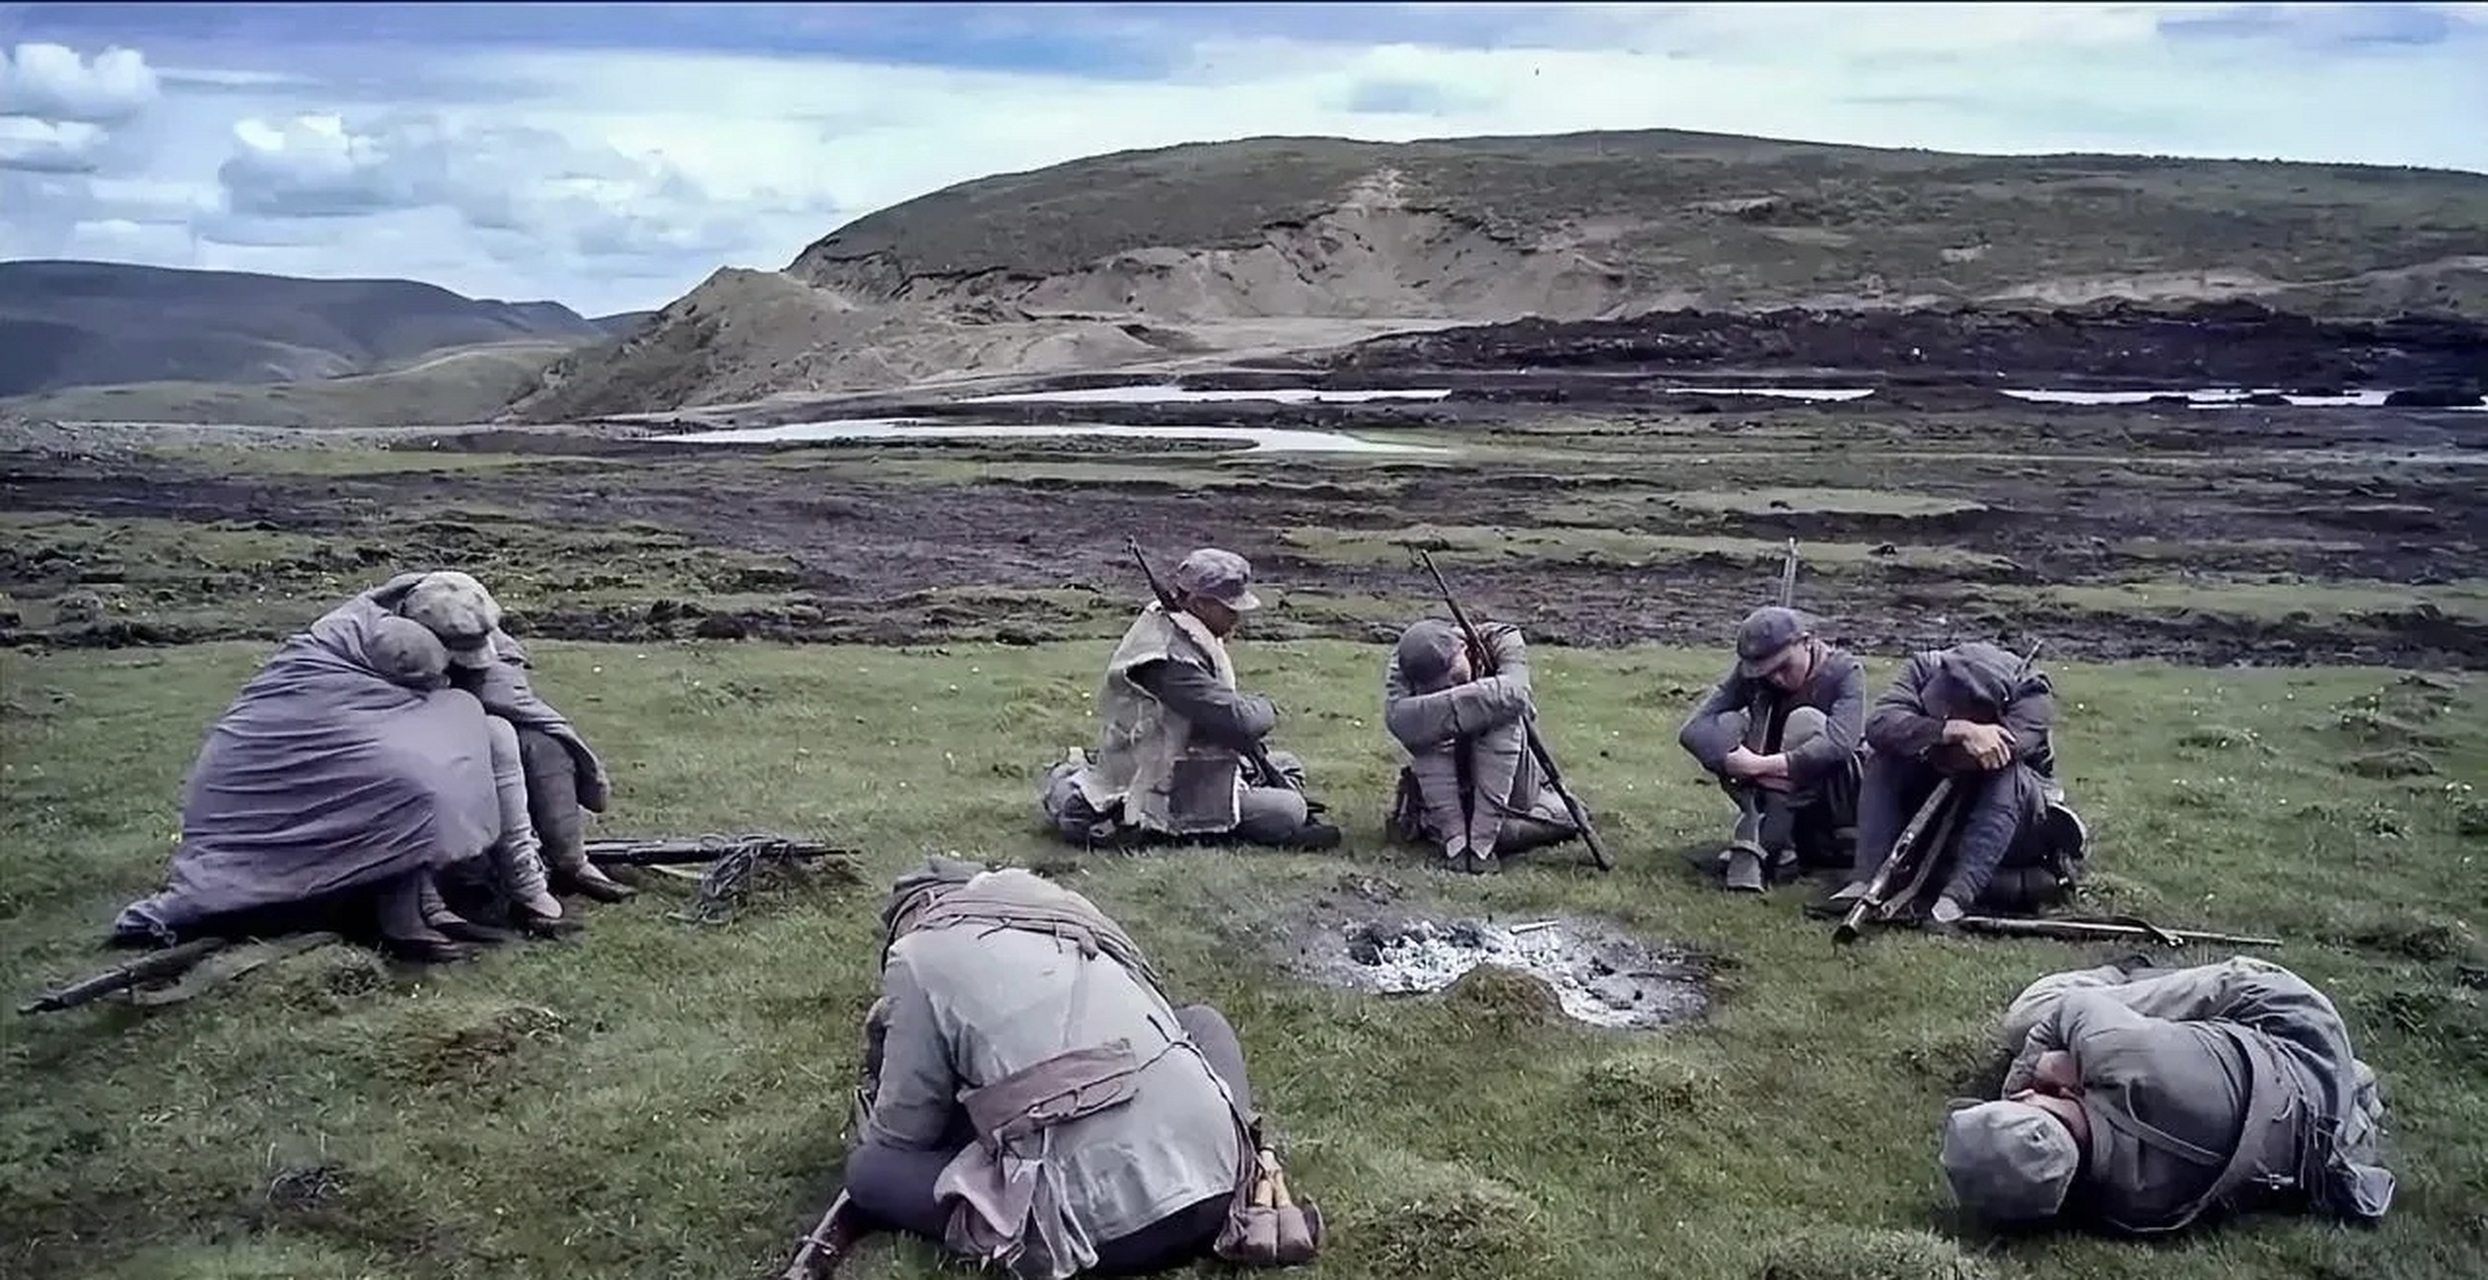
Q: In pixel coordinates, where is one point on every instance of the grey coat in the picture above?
(1838, 690)
(1480, 724)
(970, 1005)
(2194, 1058)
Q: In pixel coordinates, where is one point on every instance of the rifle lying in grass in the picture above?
(1912, 856)
(2076, 928)
(1484, 659)
(730, 860)
(1254, 755)
(173, 974)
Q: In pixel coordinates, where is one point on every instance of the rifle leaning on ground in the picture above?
(827, 1243)
(730, 862)
(1912, 854)
(1253, 754)
(1749, 798)
(1484, 660)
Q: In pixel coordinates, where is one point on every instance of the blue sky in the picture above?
(611, 156)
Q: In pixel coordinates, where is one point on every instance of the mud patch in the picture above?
(1596, 973)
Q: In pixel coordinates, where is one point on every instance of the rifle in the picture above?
(1254, 755)
(670, 850)
(1749, 798)
(151, 967)
(826, 1244)
(2076, 928)
(1906, 850)
(176, 973)
(1484, 658)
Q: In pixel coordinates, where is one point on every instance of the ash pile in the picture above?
(1599, 976)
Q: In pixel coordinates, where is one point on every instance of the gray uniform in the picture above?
(1476, 785)
(1139, 1185)
(1905, 730)
(2222, 1086)
(1820, 727)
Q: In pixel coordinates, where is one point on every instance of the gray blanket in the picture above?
(325, 775)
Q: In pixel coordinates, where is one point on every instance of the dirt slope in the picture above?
(1142, 257)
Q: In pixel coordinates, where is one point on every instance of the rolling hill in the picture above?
(1286, 243)
(70, 324)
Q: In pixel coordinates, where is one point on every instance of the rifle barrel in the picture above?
(2043, 927)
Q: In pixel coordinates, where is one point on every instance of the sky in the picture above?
(611, 156)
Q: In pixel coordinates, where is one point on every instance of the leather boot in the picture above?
(403, 933)
(1744, 871)
(438, 917)
(566, 862)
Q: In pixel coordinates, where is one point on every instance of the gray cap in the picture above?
(1426, 651)
(406, 652)
(1218, 575)
(2009, 1161)
(456, 608)
(1764, 634)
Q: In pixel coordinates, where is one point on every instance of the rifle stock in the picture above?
(1255, 755)
(1484, 658)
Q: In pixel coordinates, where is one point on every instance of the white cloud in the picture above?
(618, 178)
(52, 82)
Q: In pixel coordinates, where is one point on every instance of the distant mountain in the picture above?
(1140, 257)
(81, 324)
(622, 322)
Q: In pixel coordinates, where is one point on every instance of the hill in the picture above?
(1146, 256)
(438, 388)
(83, 324)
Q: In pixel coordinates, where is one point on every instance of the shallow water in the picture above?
(1261, 439)
(1162, 394)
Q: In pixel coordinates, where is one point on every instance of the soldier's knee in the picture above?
(1804, 725)
(539, 749)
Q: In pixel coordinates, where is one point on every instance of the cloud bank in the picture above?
(611, 157)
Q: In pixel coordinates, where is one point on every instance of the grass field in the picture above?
(662, 1099)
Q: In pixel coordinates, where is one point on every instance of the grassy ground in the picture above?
(661, 1099)
(440, 388)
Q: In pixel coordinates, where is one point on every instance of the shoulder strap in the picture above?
(2267, 1102)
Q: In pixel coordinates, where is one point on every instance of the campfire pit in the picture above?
(1599, 975)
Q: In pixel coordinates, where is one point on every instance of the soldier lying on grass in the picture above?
(1470, 788)
(1178, 741)
(2141, 1099)
(380, 750)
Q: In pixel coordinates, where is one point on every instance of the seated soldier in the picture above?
(345, 777)
(1781, 731)
(1031, 1099)
(2141, 1099)
(1179, 750)
(1973, 714)
(1470, 787)
(554, 770)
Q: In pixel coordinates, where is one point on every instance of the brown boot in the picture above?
(589, 880)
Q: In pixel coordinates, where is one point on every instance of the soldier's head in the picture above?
(2009, 1161)
(456, 608)
(1216, 587)
(1776, 644)
(1432, 656)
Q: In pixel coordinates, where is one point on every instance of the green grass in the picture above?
(661, 1099)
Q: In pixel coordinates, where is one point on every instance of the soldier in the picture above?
(1798, 792)
(1972, 713)
(1174, 746)
(2141, 1099)
(1031, 1098)
(1470, 788)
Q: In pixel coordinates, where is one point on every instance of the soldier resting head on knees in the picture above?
(2141, 1099)
(1973, 714)
(1179, 749)
(1782, 733)
(1471, 789)
(1031, 1099)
